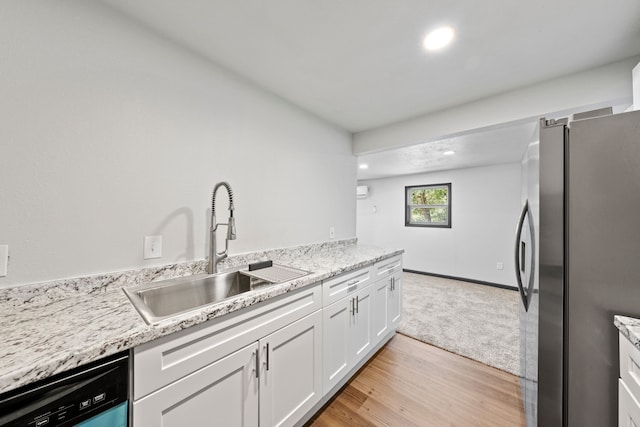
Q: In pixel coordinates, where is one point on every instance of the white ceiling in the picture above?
(360, 64)
(488, 146)
(500, 144)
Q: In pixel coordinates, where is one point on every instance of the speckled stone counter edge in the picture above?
(630, 328)
(47, 332)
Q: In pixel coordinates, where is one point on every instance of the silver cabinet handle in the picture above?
(352, 284)
(267, 356)
(357, 305)
(352, 310)
(257, 364)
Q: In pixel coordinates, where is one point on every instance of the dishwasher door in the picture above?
(94, 395)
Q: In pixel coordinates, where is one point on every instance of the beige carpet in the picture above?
(477, 321)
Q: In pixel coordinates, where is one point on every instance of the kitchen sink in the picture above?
(160, 300)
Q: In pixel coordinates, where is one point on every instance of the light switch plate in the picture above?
(4, 259)
(152, 247)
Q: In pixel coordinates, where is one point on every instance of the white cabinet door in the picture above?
(395, 300)
(335, 324)
(291, 371)
(379, 311)
(628, 407)
(360, 341)
(223, 393)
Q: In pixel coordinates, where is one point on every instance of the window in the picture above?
(428, 206)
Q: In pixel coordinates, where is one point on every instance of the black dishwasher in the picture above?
(93, 395)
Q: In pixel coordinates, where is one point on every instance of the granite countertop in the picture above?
(53, 327)
(630, 328)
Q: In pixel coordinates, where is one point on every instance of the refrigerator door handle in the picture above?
(518, 255)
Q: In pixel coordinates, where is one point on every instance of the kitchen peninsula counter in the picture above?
(52, 327)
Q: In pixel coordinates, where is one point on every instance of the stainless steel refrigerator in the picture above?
(577, 259)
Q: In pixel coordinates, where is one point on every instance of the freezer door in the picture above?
(603, 259)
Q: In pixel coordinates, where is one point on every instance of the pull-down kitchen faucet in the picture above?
(214, 256)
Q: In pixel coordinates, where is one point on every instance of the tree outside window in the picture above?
(428, 206)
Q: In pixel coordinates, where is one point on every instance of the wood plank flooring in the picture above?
(409, 383)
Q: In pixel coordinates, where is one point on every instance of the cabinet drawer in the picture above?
(630, 366)
(628, 407)
(346, 284)
(167, 359)
(387, 267)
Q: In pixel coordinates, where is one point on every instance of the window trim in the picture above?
(407, 206)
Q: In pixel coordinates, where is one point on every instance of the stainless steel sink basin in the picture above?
(157, 301)
(167, 298)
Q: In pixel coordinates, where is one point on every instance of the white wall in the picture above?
(110, 133)
(603, 86)
(485, 209)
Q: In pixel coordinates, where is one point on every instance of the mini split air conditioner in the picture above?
(362, 191)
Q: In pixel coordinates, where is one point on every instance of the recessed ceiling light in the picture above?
(449, 153)
(439, 38)
(364, 166)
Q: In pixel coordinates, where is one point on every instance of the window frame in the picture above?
(408, 206)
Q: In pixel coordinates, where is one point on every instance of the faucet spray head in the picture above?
(231, 228)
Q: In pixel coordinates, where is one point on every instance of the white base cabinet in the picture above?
(291, 371)
(380, 319)
(628, 384)
(272, 364)
(395, 300)
(224, 393)
(387, 298)
(347, 335)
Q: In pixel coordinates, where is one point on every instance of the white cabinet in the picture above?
(291, 371)
(628, 384)
(387, 305)
(348, 333)
(360, 328)
(158, 363)
(223, 393)
(395, 300)
(336, 347)
(346, 285)
(380, 310)
(276, 381)
(272, 364)
(261, 366)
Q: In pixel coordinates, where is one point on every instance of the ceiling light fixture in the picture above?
(439, 38)
(364, 166)
(449, 153)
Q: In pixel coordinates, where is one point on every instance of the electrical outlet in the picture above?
(499, 266)
(152, 247)
(4, 259)
(332, 232)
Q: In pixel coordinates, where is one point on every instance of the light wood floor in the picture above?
(409, 383)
